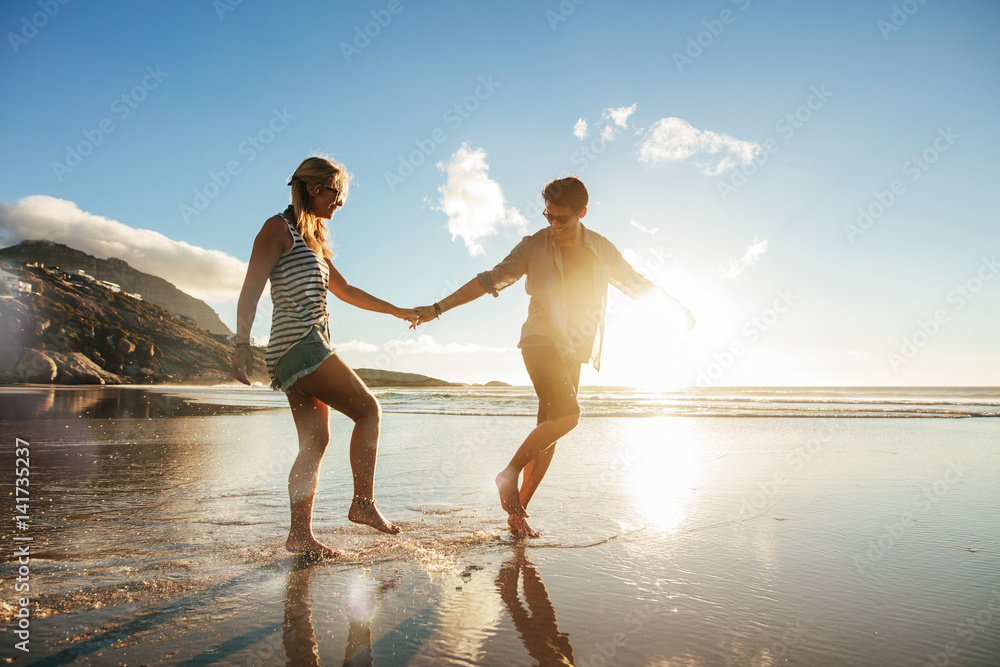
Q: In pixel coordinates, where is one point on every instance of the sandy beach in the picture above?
(157, 517)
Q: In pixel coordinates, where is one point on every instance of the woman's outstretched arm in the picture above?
(359, 298)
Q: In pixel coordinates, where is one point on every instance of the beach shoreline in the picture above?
(159, 538)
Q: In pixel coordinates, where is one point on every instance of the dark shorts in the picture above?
(302, 358)
(555, 379)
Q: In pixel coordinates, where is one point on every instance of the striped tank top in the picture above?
(299, 282)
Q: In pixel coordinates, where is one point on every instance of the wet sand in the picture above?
(158, 523)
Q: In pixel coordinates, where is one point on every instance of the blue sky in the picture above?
(728, 149)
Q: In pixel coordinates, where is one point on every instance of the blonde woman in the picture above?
(292, 251)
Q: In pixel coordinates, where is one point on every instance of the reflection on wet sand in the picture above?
(537, 624)
(299, 637)
(97, 402)
(299, 634)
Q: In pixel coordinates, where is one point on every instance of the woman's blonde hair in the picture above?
(320, 171)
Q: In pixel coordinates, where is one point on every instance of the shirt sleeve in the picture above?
(509, 271)
(626, 278)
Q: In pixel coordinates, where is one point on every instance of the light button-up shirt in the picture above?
(538, 257)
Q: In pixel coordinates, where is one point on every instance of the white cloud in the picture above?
(210, 275)
(752, 255)
(646, 230)
(424, 344)
(619, 115)
(615, 120)
(473, 202)
(675, 140)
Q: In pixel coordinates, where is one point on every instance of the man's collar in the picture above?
(588, 236)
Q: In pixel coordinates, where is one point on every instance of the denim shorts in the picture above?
(302, 358)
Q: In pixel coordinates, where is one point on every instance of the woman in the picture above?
(291, 250)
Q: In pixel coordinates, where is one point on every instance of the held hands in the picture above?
(425, 314)
(408, 314)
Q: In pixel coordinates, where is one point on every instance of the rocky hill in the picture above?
(79, 332)
(73, 331)
(379, 378)
(114, 270)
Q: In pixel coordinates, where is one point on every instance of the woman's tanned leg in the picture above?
(336, 385)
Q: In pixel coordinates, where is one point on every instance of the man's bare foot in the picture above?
(310, 547)
(509, 498)
(520, 527)
(363, 510)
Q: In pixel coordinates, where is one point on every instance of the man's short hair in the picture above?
(569, 191)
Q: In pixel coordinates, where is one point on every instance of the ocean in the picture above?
(721, 526)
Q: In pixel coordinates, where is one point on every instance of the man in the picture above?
(568, 268)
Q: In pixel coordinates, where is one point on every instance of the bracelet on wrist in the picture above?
(437, 310)
(239, 345)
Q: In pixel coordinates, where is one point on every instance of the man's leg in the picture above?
(556, 384)
(533, 474)
(535, 469)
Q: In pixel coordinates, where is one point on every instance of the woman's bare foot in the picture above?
(520, 527)
(363, 510)
(310, 547)
(509, 498)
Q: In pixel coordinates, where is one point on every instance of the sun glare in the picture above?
(646, 345)
(665, 472)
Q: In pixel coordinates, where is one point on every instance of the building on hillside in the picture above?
(12, 284)
(9, 282)
(114, 287)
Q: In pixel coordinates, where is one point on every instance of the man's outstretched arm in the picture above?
(470, 291)
(631, 282)
(504, 274)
